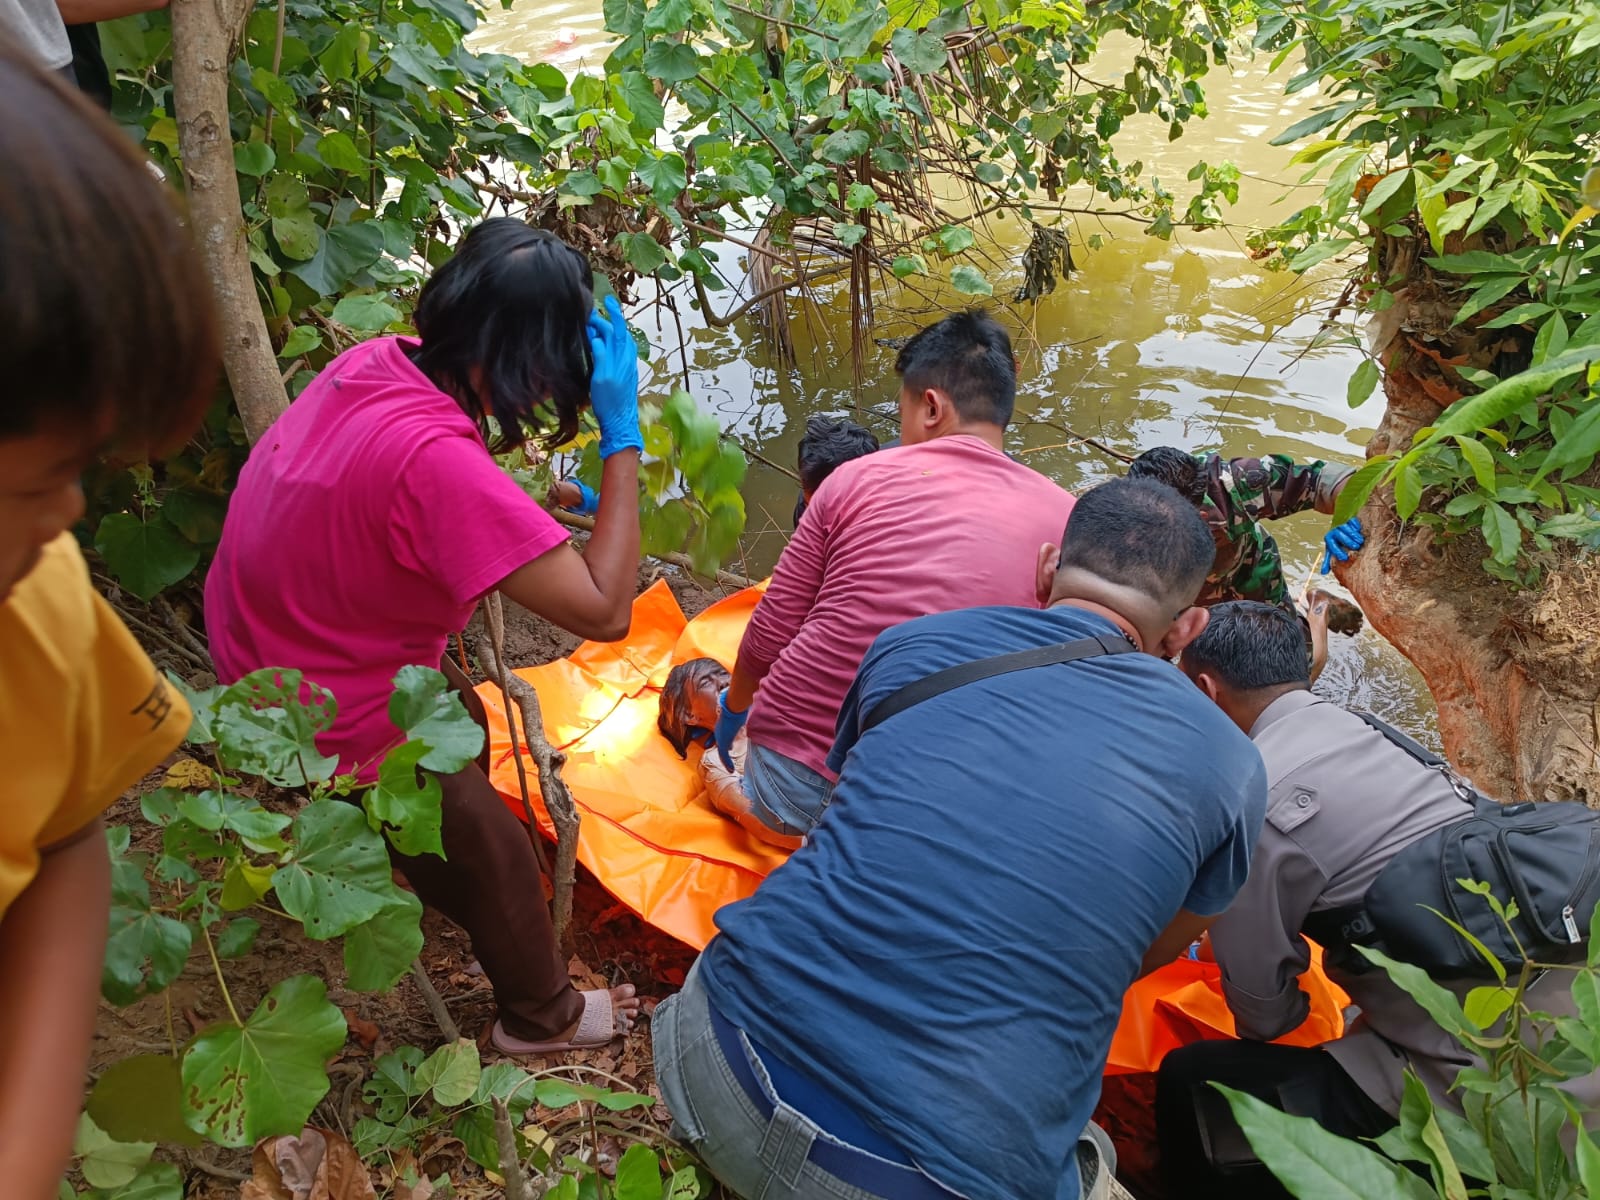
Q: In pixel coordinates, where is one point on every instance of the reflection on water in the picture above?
(1187, 342)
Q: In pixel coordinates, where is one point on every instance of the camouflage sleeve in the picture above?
(1274, 485)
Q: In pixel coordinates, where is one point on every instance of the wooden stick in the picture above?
(505, 1138)
(489, 656)
(558, 800)
(727, 578)
(430, 994)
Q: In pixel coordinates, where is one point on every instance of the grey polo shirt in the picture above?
(36, 28)
(1342, 801)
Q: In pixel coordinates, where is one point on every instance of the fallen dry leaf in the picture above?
(317, 1165)
(364, 1031)
(420, 1190)
(189, 773)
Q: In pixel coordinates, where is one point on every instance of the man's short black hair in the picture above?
(968, 357)
(1178, 469)
(1249, 646)
(829, 443)
(1140, 534)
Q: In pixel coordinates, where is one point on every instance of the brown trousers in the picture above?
(489, 884)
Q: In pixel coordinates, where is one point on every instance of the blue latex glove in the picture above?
(1341, 542)
(614, 386)
(728, 725)
(588, 499)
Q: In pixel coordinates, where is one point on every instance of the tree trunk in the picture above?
(203, 37)
(1515, 672)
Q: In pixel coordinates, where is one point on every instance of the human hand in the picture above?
(614, 386)
(728, 725)
(1341, 542)
(575, 496)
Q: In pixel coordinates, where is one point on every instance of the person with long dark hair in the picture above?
(372, 517)
(107, 341)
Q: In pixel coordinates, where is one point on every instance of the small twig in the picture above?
(727, 578)
(277, 63)
(558, 801)
(161, 636)
(505, 1138)
(761, 458)
(1084, 438)
(180, 628)
(206, 1167)
(435, 1002)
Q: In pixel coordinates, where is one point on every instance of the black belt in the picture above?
(845, 1163)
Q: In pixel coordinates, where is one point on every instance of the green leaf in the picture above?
(365, 313)
(1479, 460)
(140, 1099)
(907, 265)
(302, 339)
(1588, 1163)
(1471, 68)
(155, 1181)
(1407, 490)
(665, 176)
(429, 710)
(849, 234)
(1495, 404)
(340, 257)
(104, 1161)
(139, 936)
(377, 952)
(671, 62)
(639, 1174)
(1319, 252)
(1313, 1163)
(668, 17)
(403, 807)
(145, 556)
(339, 875)
(1315, 123)
(293, 224)
(642, 252)
(213, 810)
(451, 1072)
(919, 51)
(253, 158)
(264, 727)
(1486, 1005)
(246, 1082)
(244, 884)
(338, 60)
(1362, 381)
(953, 239)
(239, 938)
(969, 281)
(859, 195)
(339, 152)
(1418, 1120)
(1438, 1002)
(1577, 445)
(1501, 531)
(843, 145)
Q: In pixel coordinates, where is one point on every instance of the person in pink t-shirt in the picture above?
(945, 520)
(371, 518)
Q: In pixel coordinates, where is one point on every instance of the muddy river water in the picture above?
(1185, 342)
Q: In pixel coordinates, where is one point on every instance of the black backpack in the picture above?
(1542, 858)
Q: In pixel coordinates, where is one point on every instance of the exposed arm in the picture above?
(591, 594)
(1174, 940)
(85, 12)
(52, 942)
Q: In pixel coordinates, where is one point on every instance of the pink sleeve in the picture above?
(463, 522)
(795, 582)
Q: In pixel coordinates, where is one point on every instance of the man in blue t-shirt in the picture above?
(919, 1003)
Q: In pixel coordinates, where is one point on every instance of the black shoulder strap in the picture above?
(1463, 788)
(986, 668)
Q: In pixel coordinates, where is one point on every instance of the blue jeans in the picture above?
(773, 1154)
(786, 796)
(756, 1156)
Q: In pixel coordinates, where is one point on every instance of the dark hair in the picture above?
(1140, 534)
(1178, 469)
(104, 306)
(682, 682)
(968, 357)
(1249, 646)
(830, 443)
(514, 303)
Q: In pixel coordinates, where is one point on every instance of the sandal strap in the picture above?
(598, 1023)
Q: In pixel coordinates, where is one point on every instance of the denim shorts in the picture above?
(785, 795)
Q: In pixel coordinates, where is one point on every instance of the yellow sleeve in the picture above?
(87, 712)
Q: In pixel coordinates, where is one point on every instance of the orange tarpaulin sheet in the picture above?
(653, 842)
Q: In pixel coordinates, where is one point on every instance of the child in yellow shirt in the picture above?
(106, 342)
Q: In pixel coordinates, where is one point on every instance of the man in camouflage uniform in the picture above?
(1234, 495)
